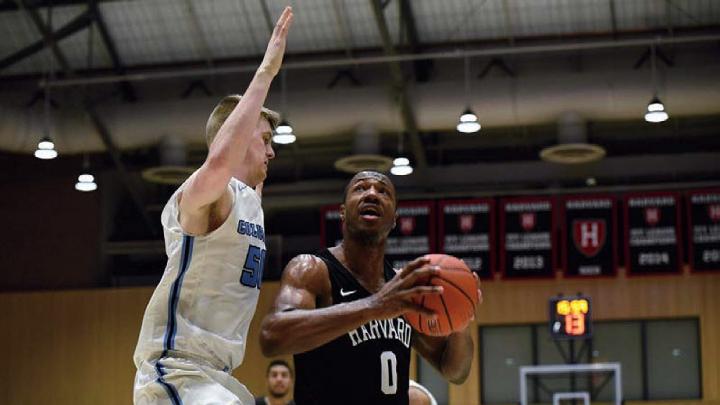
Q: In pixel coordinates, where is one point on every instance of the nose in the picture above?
(270, 152)
(372, 194)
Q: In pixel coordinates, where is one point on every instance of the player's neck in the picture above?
(367, 263)
(271, 400)
(245, 178)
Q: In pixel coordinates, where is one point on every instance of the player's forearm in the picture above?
(232, 140)
(457, 357)
(301, 330)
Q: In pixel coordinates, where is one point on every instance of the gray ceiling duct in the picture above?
(572, 147)
(173, 168)
(366, 152)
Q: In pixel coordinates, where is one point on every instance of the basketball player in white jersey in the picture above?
(419, 395)
(195, 327)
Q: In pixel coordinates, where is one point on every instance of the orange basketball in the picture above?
(455, 306)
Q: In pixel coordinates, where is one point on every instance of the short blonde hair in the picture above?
(223, 109)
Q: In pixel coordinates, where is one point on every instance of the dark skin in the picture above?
(304, 316)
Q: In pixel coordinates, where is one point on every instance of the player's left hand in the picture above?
(480, 295)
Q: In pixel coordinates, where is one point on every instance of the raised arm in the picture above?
(297, 324)
(227, 151)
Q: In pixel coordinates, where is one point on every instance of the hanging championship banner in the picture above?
(704, 230)
(467, 229)
(651, 233)
(330, 226)
(589, 236)
(414, 233)
(526, 242)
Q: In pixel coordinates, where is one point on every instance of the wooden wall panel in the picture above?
(75, 347)
(49, 225)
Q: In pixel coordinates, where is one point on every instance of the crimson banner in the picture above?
(704, 230)
(652, 233)
(589, 235)
(330, 226)
(466, 230)
(526, 240)
(414, 233)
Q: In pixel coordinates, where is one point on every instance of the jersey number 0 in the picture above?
(388, 373)
(253, 268)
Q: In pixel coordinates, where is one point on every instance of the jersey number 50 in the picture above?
(253, 268)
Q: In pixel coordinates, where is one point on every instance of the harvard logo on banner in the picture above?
(466, 230)
(704, 230)
(652, 242)
(526, 242)
(589, 242)
(589, 236)
(407, 225)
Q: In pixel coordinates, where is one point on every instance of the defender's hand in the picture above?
(276, 47)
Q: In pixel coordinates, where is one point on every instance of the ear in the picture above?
(342, 212)
(395, 220)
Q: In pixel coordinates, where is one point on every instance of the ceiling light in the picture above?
(401, 161)
(468, 123)
(284, 134)
(86, 182)
(401, 167)
(656, 111)
(46, 149)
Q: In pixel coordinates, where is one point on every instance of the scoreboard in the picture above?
(570, 317)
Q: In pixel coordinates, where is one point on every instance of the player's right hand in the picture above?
(395, 297)
(276, 47)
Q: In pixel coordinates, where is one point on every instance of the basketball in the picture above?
(455, 306)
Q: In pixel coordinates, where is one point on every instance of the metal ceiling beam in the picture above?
(423, 67)
(370, 60)
(400, 89)
(75, 25)
(268, 18)
(125, 87)
(613, 18)
(10, 5)
(119, 165)
(343, 27)
(199, 35)
(509, 26)
(94, 117)
(668, 18)
(46, 34)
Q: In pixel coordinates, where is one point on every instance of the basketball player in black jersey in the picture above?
(340, 312)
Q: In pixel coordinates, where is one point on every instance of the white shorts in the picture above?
(175, 381)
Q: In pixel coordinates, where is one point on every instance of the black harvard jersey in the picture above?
(368, 365)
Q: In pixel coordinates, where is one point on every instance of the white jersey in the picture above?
(207, 296)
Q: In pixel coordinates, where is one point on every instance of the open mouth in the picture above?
(370, 212)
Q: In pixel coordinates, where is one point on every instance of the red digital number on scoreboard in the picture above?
(570, 317)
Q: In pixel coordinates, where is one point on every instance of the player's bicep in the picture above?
(204, 187)
(304, 280)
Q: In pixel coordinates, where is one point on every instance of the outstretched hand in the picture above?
(276, 47)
